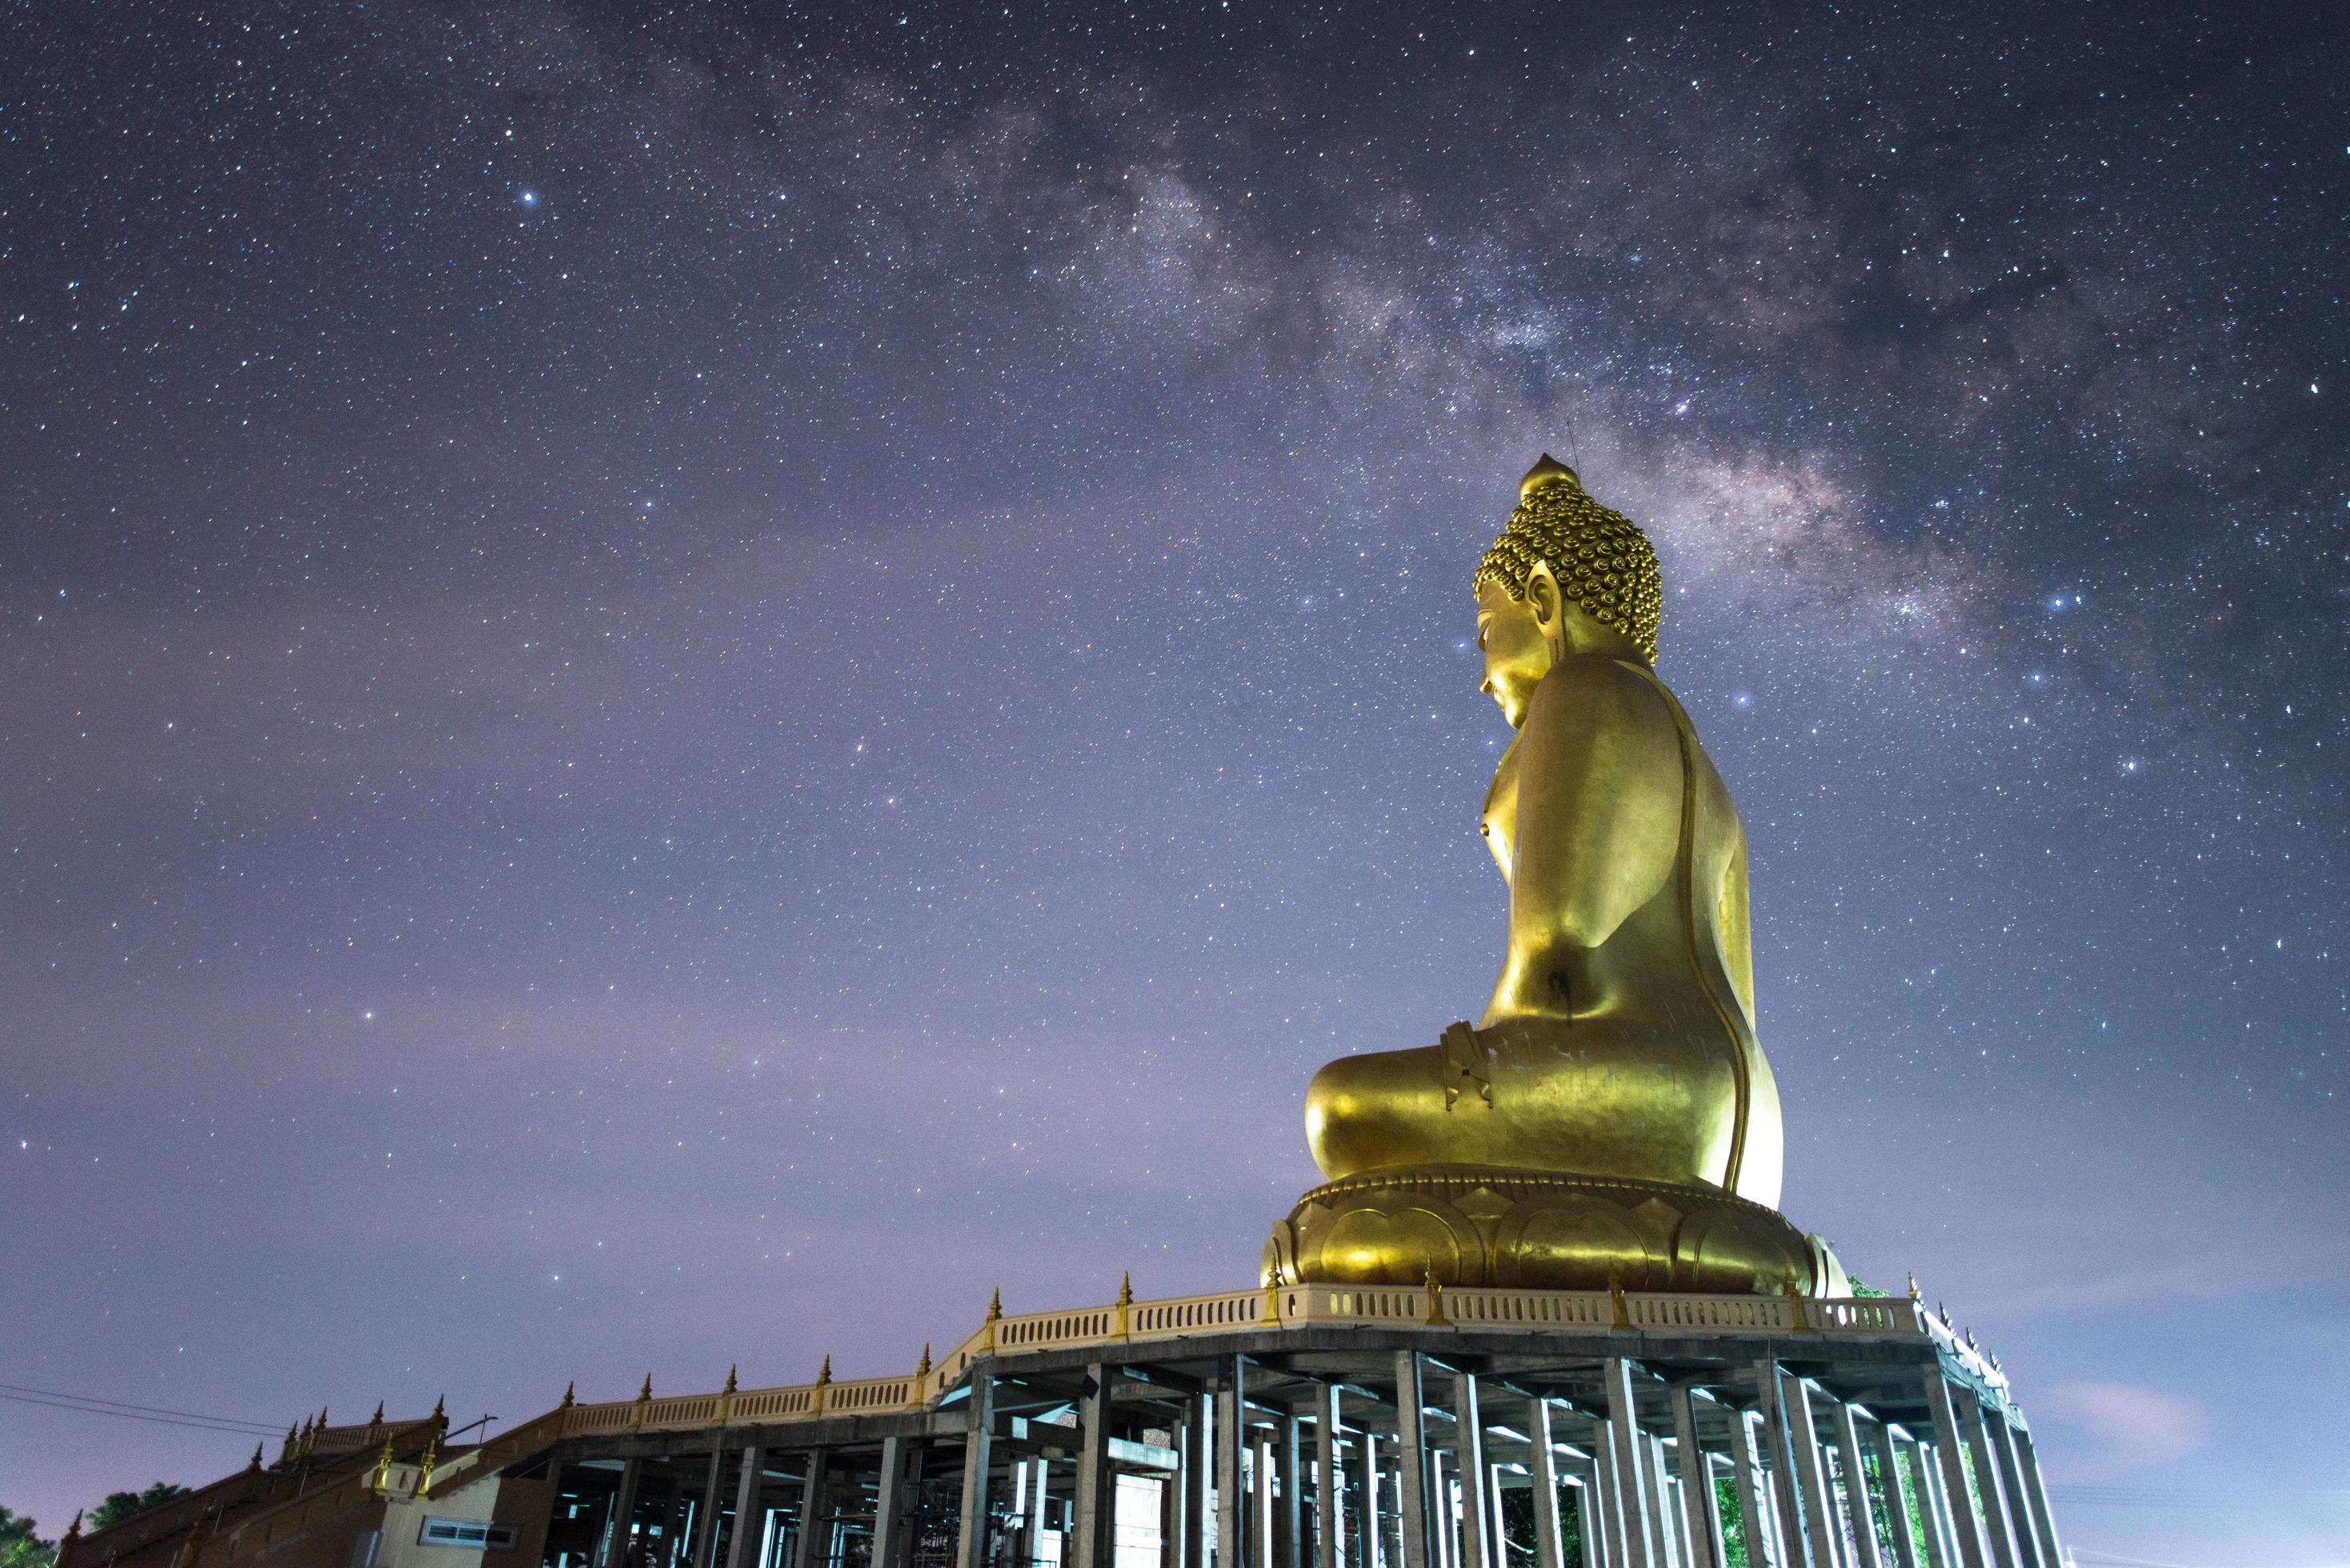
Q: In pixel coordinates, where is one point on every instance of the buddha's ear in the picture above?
(1543, 595)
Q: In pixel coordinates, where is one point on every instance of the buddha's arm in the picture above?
(1597, 820)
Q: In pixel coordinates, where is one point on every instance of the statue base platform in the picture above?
(1598, 1421)
(1490, 1227)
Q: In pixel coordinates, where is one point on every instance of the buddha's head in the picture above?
(1567, 576)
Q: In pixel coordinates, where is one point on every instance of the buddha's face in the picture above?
(1515, 637)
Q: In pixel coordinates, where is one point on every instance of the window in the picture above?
(478, 1535)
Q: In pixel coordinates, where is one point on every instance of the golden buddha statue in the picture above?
(1610, 1120)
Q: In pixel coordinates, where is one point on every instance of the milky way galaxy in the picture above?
(682, 686)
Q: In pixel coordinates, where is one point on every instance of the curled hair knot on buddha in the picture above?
(1602, 560)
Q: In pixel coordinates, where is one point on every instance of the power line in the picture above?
(242, 1431)
(90, 1405)
(127, 1405)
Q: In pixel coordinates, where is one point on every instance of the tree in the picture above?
(121, 1505)
(19, 1547)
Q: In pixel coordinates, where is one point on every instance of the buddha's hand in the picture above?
(1462, 1057)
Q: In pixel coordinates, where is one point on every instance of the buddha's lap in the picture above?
(1605, 1096)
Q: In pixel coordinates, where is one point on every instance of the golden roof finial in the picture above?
(72, 1530)
(1547, 470)
(383, 1467)
(1794, 1294)
(440, 1411)
(823, 1373)
(995, 1304)
(645, 1394)
(1913, 1287)
(1435, 1296)
(256, 1458)
(377, 1419)
(570, 1393)
(1125, 1288)
(918, 1387)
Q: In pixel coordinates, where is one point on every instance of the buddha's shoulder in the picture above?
(1587, 688)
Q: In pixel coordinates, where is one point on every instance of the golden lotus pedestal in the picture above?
(1485, 1226)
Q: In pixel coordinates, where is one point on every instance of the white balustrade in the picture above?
(1292, 1306)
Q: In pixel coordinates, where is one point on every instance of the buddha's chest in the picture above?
(1499, 821)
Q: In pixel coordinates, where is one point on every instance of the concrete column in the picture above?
(1542, 1472)
(1231, 1523)
(2010, 1485)
(1476, 1491)
(1328, 1494)
(1962, 1512)
(1713, 1520)
(1941, 1528)
(1786, 1495)
(1289, 1497)
(809, 1547)
(1696, 1483)
(1898, 1527)
(1039, 1473)
(1090, 1541)
(613, 1550)
(1917, 1474)
(1171, 1495)
(1607, 1497)
(1966, 1519)
(1370, 1514)
(1754, 1508)
(1857, 1505)
(1199, 1477)
(1819, 1509)
(1987, 1488)
(1630, 1531)
(1586, 1531)
(1265, 1513)
(971, 1539)
(1664, 1505)
(1443, 1525)
(671, 1557)
(743, 1542)
(2043, 1522)
(705, 1518)
(892, 1513)
(1413, 1508)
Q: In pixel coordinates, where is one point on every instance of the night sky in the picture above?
(680, 688)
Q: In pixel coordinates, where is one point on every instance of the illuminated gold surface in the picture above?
(1610, 1118)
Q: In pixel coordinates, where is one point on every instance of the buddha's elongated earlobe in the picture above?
(1548, 606)
(1542, 594)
